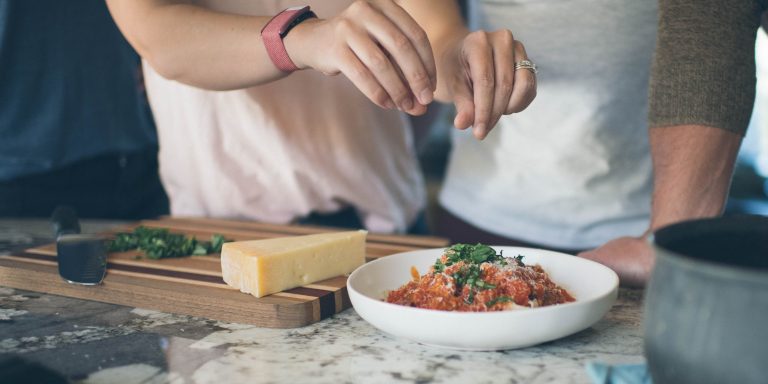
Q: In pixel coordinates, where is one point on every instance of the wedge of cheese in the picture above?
(263, 267)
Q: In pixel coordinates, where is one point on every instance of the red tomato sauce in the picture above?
(504, 287)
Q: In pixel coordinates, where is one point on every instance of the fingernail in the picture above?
(425, 97)
(407, 104)
(389, 104)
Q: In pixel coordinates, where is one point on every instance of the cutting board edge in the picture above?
(286, 315)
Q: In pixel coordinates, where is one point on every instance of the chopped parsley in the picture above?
(469, 273)
(439, 266)
(158, 243)
(484, 285)
(500, 299)
(479, 253)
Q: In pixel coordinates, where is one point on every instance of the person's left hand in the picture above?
(482, 81)
(631, 258)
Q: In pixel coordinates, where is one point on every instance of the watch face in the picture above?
(302, 13)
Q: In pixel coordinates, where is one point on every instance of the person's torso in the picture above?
(69, 87)
(572, 170)
(276, 152)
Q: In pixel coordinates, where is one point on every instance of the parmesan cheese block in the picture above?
(263, 267)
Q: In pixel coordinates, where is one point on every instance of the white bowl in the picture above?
(594, 286)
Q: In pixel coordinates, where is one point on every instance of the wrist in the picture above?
(274, 33)
(296, 43)
(692, 168)
(448, 63)
(690, 207)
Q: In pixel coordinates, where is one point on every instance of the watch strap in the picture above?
(275, 30)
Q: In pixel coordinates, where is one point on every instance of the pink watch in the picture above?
(276, 29)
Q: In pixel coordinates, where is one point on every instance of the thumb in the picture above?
(465, 105)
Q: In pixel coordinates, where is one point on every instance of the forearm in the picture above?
(196, 46)
(689, 95)
(442, 22)
(693, 165)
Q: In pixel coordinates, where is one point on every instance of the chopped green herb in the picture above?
(500, 299)
(158, 243)
(469, 273)
(217, 241)
(471, 297)
(439, 266)
(482, 284)
(478, 253)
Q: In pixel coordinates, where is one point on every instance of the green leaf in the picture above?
(160, 243)
(485, 285)
(470, 273)
(216, 242)
(477, 254)
(482, 253)
(500, 299)
(471, 297)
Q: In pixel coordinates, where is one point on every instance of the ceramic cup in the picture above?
(706, 306)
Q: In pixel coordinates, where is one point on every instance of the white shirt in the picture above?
(573, 170)
(279, 151)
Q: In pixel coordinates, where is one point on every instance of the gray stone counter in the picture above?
(103, 343)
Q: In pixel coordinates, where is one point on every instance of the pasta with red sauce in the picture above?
(474, 278)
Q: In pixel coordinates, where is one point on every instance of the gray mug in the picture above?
(706, 305)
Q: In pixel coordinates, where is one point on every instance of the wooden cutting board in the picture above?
(193, 285)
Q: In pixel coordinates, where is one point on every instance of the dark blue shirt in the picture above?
(70, 87)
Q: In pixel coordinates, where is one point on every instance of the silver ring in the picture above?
(526, 64)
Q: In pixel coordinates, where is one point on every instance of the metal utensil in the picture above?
(82, 257)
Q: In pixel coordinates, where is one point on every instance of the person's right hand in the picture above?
(478, 71)
(378, 46)
(631, 258)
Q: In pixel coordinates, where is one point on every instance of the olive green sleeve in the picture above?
(703, 69)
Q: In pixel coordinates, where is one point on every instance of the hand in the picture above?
(378, 46)
(631, 258)
(482, 80)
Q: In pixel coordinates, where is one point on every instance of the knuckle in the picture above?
(484, 79)
(479, 37)
(359, 6)
(400, 41)
(344, 27)
(359, 72)
(505, 85)
(419, 76)
(399, 95)
(419, 36)
(519, 47)
(378, 62)
(379, 96)
(505, 35)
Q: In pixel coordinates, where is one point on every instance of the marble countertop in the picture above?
(94, 342)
